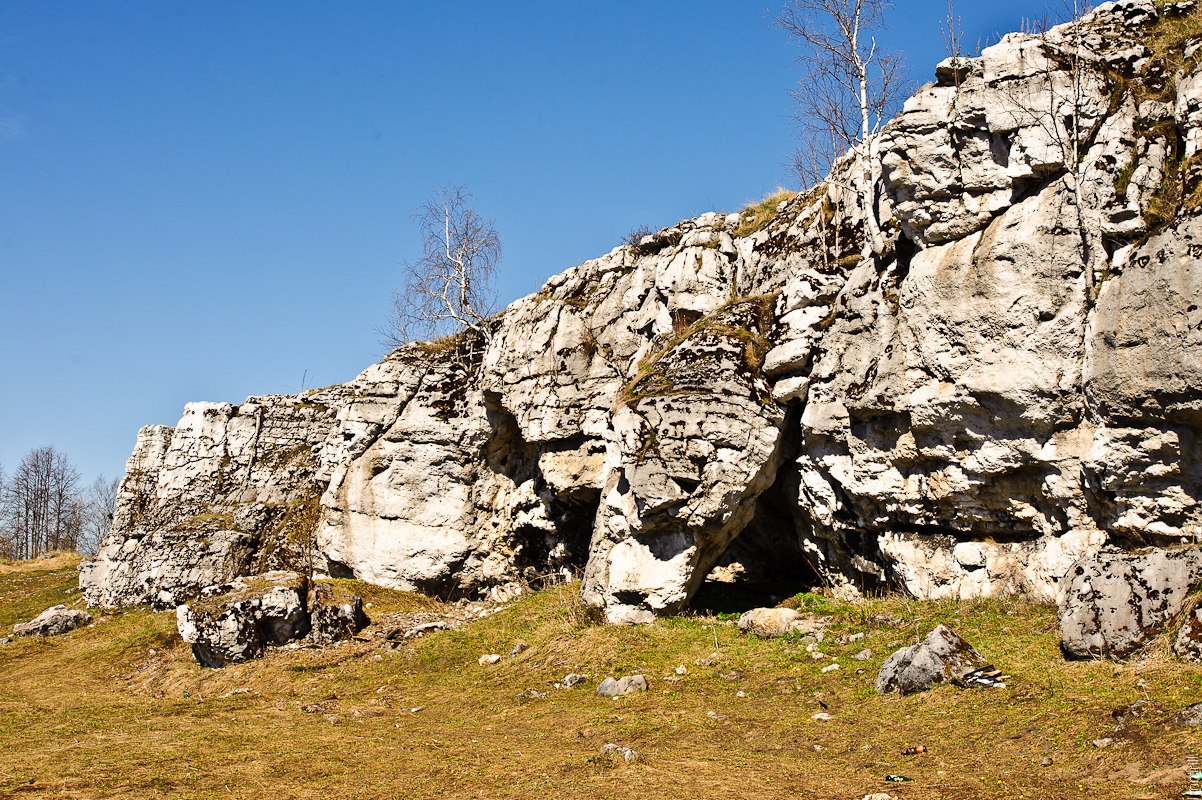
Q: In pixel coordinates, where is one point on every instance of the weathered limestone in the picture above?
(1114, 603)
(54, 621)
(771, 623)
(239, 620)
(1008, 385)
(942, 657)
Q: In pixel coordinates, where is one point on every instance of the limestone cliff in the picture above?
(1011, 383)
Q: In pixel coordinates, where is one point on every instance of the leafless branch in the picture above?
(448, 289)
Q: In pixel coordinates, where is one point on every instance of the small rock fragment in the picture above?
(490, 658)
(863, 655)
(771, 623)
(620, 687)
(830, 668)
(571, 679)
(822, 716)
(519, 648)
(627, 754)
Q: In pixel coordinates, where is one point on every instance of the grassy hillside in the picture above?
(119, 710)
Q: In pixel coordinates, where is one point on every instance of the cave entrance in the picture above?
(765, 563)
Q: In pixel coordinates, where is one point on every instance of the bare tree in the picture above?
(849, 87)
(99, 504)
(41, 507)
(1058, 106)
(448, 290)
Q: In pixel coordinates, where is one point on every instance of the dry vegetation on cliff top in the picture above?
(97, 714)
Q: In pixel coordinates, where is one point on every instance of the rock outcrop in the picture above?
(1008, 385)
(237, 621)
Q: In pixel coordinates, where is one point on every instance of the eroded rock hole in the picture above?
(554, 552)
(765, 563)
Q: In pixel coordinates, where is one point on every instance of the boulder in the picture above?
(942, 657)
(620, 687)
(771, 623)
(237, 621)
(53, 621)
(334, 614)
(1116, 602)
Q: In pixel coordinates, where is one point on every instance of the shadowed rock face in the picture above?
(1008, 386)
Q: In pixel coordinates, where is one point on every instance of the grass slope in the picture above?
(119, 710)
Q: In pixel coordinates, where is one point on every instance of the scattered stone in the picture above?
(830, 668)
(740, 693)
(1191, 716)
(417, 709)
(682, 669)
(54, 621)
(771, 623)
(716, 717)
(943, 656)
(1104, 742)
(886, 620)
(822, 716)
(1114, 603)
(236, 692)
(623, 686)
(426, 627)
(518, 649)
(627, 754)
(878, 796)
(855, 637)
(333, 719)
(570, 680)
(1047, 761)
(4, 640)
(532, 694)
(490, 658)
(708, 661)
(863, 655)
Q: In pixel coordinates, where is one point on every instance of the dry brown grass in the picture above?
(94, 714)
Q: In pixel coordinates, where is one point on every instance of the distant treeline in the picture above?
(44, 506)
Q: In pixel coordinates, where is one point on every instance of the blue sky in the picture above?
(205, 201)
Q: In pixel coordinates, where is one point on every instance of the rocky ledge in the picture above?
(1007, 384)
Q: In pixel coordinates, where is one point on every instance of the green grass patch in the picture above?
(96, 714)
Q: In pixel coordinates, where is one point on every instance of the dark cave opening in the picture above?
(765, 563)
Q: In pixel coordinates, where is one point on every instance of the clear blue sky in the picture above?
(205, 201)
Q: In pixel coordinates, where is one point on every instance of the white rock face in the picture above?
(1007, 386)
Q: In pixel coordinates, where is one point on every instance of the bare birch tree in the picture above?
(448, 290)
(849, 87)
